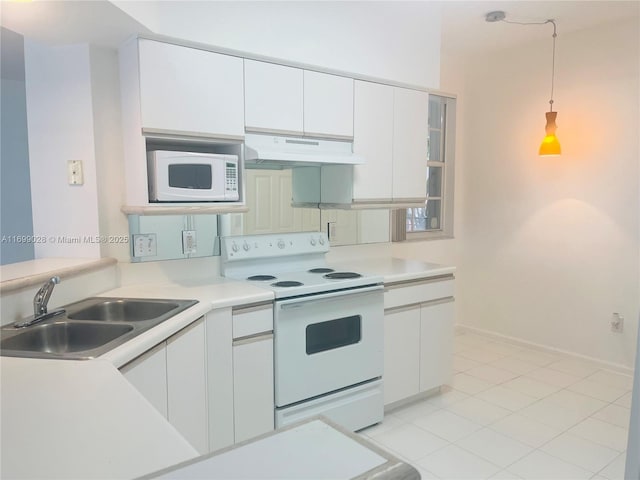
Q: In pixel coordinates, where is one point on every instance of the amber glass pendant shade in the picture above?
(550, 144)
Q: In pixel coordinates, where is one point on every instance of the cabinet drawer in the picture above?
(407, 293)
(252, 320)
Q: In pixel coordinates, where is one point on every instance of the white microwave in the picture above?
(192, 177)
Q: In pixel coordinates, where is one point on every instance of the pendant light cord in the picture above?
(553, 62)
(553, 56)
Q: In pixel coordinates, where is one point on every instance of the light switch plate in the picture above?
(145, 245)
(75, 172)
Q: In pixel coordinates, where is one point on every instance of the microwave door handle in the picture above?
(303, 302)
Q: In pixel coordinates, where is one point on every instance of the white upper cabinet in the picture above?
(328, 105)
(273, 97)
(410, 137)
(189, 90)
(289, 100)
(373, 140)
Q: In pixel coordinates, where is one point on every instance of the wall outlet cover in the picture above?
(189, 244)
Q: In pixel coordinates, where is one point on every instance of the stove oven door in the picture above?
(327, 342)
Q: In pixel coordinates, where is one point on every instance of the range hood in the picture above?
(275, 150)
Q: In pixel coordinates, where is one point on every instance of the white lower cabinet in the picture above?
(401, 353)
(253, 409)
(172, 376)
(148, 373)
(418, 337)
(436, 343)
(187, 385)
(253, 388)
(220, 378)
(213, 380)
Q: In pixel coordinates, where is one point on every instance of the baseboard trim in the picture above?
(418, 397)
(616, 367)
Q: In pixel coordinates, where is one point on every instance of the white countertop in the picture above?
(311, 450)
(298, 451)
(397, 269)
(211, 294)
(80, 419)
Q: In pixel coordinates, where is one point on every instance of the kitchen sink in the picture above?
(125, 310)
(64, 337)
(89, 328)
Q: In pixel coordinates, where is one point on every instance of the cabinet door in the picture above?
(273, 98)
(410, 136)
(401, 354)
(373, 140)
(328, 105)
(148, 373)
(436, 343)
(186, 380)
(189, 90)
(219, 378)
(254, 407)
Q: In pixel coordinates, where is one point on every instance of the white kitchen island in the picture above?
(313, 449)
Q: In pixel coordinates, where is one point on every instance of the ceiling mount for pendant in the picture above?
(496, 16)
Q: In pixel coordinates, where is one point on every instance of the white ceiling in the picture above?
(464, 29)
(55, 22)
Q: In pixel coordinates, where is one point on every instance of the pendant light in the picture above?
(550, 145)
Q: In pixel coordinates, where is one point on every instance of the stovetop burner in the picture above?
(321, 270)
(261, 278)
(342, 275)
(287, 283)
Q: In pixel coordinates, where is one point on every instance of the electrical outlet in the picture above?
(332, 230)
(617, 323)
(145, 245)
(189, 244)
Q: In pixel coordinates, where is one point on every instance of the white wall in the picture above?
(549, 247)
(391, 40)
(105, 90)
(60, 126)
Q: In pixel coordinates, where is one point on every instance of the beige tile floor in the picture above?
(514, 412)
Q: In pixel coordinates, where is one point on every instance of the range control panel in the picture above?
(246, 247)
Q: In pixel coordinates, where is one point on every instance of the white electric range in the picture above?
(328, 327)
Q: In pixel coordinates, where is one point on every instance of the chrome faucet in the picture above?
(40, 304)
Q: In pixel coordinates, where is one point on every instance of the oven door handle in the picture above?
(303, 302)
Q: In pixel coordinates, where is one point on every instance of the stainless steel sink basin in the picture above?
(125, 310)
(89, 328)
(65, 337)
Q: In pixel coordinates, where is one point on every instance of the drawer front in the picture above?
(252, 321)
(418, 292)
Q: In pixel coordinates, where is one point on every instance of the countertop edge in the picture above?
(91, 265)
(137, 346)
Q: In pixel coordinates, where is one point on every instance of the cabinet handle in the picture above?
(353, 293)
(252, 308)
(411, 306)
(424, 281)
(258, 337)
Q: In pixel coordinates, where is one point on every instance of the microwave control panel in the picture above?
(231, 177)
